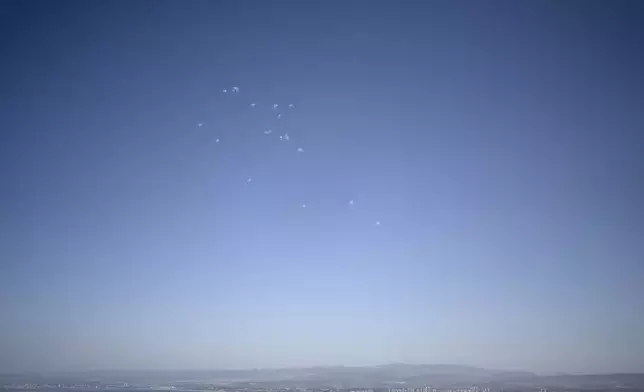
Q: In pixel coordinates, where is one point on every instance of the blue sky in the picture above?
(499, 144)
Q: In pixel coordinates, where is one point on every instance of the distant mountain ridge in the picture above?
(387, 375)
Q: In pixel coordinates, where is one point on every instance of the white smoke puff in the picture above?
(351, 202)
(377, 223)
(235, 89)
(300, 149)
(303, 205)
(268, 132)
(217, 140)
(249, 180)
(252, 105)
(279, 116)
(199, 125)
(287, 137)
(275, 106)
(224, 90)
(290, 105)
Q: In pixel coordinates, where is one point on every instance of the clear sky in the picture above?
(499, 144)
